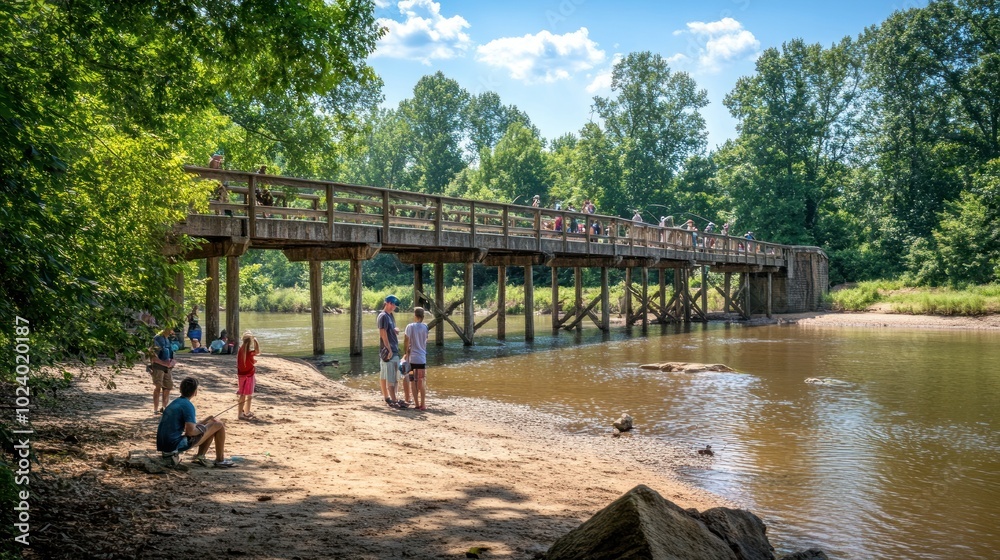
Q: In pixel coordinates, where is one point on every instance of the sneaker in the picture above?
(224, 464)
(172, 459)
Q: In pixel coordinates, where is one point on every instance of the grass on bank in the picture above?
(895, 297)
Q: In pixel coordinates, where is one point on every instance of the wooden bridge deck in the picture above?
(312, 220)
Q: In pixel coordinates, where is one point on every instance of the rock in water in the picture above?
(624, 423)
(641, 524)
(688, 367)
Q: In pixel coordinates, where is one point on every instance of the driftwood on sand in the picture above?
(687, 367)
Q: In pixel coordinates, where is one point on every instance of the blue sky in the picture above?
(551, 57)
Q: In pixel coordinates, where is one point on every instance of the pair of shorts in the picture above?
(188, 442)
(246, 384)
(195, 334)
(419, 371)
(389, 370)
(161, 377)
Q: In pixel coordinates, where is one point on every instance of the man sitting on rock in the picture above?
(179, 431)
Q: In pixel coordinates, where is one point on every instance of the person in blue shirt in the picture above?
(179, 430)
(162, 363)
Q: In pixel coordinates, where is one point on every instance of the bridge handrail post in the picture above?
(385, 216)
(538, 229)
(472, 222)
(506, 228)
(565, 228)
(252, 205)
(329, 210)
(437, 219)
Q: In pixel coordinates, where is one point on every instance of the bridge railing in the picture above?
(242, 194)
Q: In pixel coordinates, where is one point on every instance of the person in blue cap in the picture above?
(388, 352)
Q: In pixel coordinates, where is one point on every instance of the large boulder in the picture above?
(811, 554)
(687, 367)
(641, 524)
(743, 531)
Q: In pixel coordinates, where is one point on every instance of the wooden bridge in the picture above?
(317, 221)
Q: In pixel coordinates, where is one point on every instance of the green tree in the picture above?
(436, 118)
(654, 124)
(515, 169)
(488, 120)
(98, 103)
(798, 122)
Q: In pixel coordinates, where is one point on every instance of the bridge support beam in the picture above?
(645, 299)
(212, 298)
(469, 305)
(726, 290)
(627, 312)
(418, 284)
(233, 299)
(605, 301)
(501, 303)
(529, 304)
(316, 306)
(661, 276)
(357, 340)
(578, 307)
(704, 292)
(556, 323)
(439, 297)
(769, 291)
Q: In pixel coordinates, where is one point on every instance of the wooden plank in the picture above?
(529, 304)
(502, 302)
(357, 340)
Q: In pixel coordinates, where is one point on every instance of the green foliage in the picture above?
(100, 105)
(654, 125)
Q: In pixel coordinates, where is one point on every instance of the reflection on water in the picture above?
(900, 460)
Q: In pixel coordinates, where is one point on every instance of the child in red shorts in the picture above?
(246, 368)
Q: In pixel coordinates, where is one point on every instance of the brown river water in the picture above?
(897, 455)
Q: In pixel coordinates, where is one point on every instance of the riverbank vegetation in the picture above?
(897, 297)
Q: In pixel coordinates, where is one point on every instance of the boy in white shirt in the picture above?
(415, 353)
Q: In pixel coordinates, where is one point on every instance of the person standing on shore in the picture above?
(388, 352)
(162, 358)
(415, 352)
(246, 375)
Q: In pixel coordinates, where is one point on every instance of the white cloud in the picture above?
(715, 43)
(602, 81)
(424, 35)
(381, 3)
(542, 57)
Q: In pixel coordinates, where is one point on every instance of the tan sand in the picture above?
(329, 472)
(891, 320)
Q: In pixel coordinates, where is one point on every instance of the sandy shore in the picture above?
(890, 320)
(327, 472)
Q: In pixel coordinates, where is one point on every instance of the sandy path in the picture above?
(331, 472)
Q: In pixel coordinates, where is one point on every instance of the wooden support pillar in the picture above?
(357, 341)
(418, 284)
(529, 305)
(233, 299)
(662, 277)
(704, 291)
(748, 313)
(211, 298)
(316, 306)
(555, 299)
(687, 293)
(501, 303)
(628, 297)
(768, 295)
(439, 297)
(645, 298)
(578, 308)
(469, 305)
(726, 287)
(605, 301)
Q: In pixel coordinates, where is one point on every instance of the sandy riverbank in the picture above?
(890, 320)
(328, 472)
